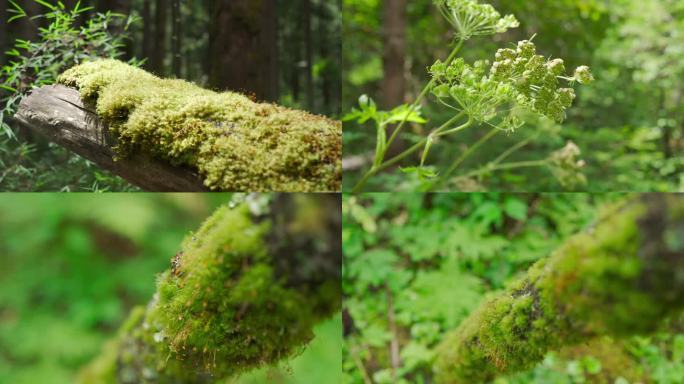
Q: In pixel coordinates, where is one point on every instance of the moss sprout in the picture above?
(620, 279)
(224, 308)
(235, 144)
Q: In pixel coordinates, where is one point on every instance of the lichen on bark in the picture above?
(621, 278)
(235, 144)
(227, 305)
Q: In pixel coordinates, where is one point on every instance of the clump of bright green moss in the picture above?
(222, 309)
(620, 279)
(235, 143)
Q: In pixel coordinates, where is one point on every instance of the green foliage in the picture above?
(483, 95)
(470, 18)
(62, 45)
(29, 167)
(430, 260)
(74, 266)
(626, 122)
(64, 42)
(235, 143)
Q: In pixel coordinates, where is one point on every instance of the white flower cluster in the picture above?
(518, 77)
(470, 18)
(566, 165)
(468, 88)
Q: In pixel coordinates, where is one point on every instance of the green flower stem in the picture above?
(422, 95)
(382, 166)
(620, 279)
(445, 177)
(514, 149)
(454, 130)
(492, 167)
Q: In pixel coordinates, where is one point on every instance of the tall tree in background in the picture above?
(295, 51)
(278, 50)
(147, 46)
(157, 59)
(3, 30)
(117, 6)
(176, 37)
(393, 87)
(308, 49)
(28, 29)
(270, 83)
(324, 49)
(394, 53)
(240, 60)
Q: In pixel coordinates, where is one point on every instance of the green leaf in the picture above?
(415, 355)
(515, 208)
(446, 295)
(8, 88)
(374, 267)
(404, 112)
(592, 365)
(368, 110)
(422, 172)
(574, 368)
(15, 9)
(46, 4)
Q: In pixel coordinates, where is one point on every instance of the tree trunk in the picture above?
(308, 49)
(622, 278)
(4, 39)
(296, 52)
(393, 87)
(176, 36)
(157, 60)
(27, 28)
(326, 47)
(121, 7)
(270, 78)
(244, 291)
(148, 39)
(394, 52)
(235, 46)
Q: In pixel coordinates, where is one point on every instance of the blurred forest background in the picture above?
(629, 124)
(283, 51)
(73, 266)
(416, 265)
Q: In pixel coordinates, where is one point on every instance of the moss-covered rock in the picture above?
(226, 306)
(622, 278)
(234, 143)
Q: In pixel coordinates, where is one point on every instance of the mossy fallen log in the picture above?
(230, 142)
(245, 291)
(622, 278)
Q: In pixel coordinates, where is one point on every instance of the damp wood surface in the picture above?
(57, 113)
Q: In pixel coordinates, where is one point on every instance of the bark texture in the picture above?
(58, 113)
(622, 278)
(239, 295)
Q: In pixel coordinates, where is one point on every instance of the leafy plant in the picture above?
(416, 265)
(62, 44)
(481, 94)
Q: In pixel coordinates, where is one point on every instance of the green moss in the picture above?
(235, 143)
(221, 309)
(617, 280)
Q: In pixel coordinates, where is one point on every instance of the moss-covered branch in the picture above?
(622, 278)
(244, 291)
(234, 143)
